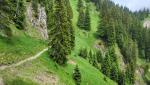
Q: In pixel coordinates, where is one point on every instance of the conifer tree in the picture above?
(99, 57)
(111, 33)
(69, 9)
(94, 62)
(60, 40)
(128, 74)
(114, 72)
(83, 53)
(35, 7)
(114, 64)
(19, 17)
(50, 16)
(77, 76)
(80, 22)
(80, 5)
(119, 34)
(87, 20)
(121, 78)
(70, 27)
(106, 65)
(113, 55)
(7, 10)
(90, 57)
(101, 31)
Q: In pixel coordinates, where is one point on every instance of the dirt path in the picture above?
(23, 61)
(1, 81)
(71, 62)
(139, 75)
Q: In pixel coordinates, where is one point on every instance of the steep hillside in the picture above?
(18, 47)
(43, 71)
(73, 42)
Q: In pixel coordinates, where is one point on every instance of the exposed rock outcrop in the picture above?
(39, 22)
(146, 24)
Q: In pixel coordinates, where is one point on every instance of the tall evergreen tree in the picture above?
(69, 9)
(7, 11)
(80, 5)
(83, 53)
(130, 74)
(70, 27)
(80, 22)
(19, 17)
(101, 31)
(99, 57)
(35, 7)
(87, 20)
(60, 40)
(121, 78)
(114, 72)
(77, 76)
(111, 33)
(106, 65)
(90, 58)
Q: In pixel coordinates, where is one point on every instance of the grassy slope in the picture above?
(85, 39)
(18, 47)
(90, 75)
(29, 70)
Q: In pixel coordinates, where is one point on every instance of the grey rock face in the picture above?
(38, 22)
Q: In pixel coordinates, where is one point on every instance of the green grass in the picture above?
(90, 75)
(84, 39)
(44, 65)
(18, 81)
(18, 47)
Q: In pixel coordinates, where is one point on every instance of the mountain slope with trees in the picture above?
(90, 42)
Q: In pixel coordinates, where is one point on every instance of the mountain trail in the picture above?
(1, 81)
(23, 61)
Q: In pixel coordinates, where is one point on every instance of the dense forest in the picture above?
(117, 26)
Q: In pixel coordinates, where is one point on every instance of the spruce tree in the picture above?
(119, 34)
(70, 27)
(7, 10)
(83, 53)
(80, 22)
(121, 78)
(114, 72)
(102, 27)
(128, 74)
(113, 55)
(114, 63)
(77, 76)
(69, 9)
(80, 5)
(87, 20)
(19, 17)
(106, 65)
(60, 40)
(99, 57)
(50, 16)
(90, 57)
(35, 7)
(94, 62)
(111, 33)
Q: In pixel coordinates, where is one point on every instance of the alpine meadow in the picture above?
(74, 42)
